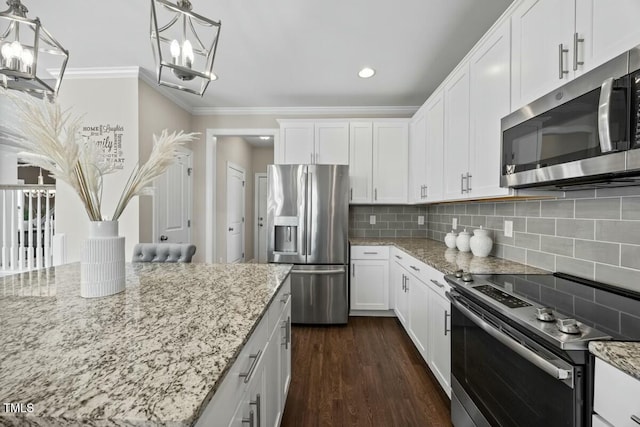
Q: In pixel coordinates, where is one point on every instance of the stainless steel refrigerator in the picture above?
(307, 225)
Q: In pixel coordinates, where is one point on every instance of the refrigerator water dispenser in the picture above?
(286, 238)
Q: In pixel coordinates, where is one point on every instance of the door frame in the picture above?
(211, 145)
(237, 167)
(154, 230)
(256, 253)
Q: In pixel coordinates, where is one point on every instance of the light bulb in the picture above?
(16, 47)
(6, 51)
(27, 57)
(187, 54)
(175, 50)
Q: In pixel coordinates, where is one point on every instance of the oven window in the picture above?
(506, 388)
(564, 134)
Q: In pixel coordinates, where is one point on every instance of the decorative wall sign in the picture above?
(108, 138)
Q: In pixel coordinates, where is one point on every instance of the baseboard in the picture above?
(373, 313)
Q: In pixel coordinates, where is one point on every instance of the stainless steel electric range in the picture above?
(519, 346)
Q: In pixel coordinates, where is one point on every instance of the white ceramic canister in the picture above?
(481, 243)
(450, 239)
(462, 241)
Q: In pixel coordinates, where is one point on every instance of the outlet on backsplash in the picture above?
(372, 219)
(420, 219)
(508, 228)
(454, 223)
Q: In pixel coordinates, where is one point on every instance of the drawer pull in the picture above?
(398, 256)
(286, 325)
(415, 268)
(247, 375)
(635, 419)
(285, 298)
(248, 420)
(438, 284)
(370, 253)
(258, 405)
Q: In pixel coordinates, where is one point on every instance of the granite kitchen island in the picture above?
(152, 355)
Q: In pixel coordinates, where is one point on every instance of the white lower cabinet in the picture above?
(254, 390)
(423, 309)
(369, 281)
(615, 397)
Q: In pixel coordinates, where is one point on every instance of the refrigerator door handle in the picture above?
(309, 231)
(306, 203)
(319, 272)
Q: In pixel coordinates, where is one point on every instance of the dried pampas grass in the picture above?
(49, 137)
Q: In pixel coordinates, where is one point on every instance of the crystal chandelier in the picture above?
(184, 46)
(25, 49)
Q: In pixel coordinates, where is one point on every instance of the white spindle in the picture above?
(5, 258)
(47, 231)
(21, 249)
(14, 210)
(39, 194)
(30, 233)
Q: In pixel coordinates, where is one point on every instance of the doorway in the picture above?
(260, 219)
(235, 213)
(172, 202)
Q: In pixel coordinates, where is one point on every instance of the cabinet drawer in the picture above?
(616, 396)
(278, 304)
(370, 252)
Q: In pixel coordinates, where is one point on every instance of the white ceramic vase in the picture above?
(102, 270)
(481, 243)
(462, 241)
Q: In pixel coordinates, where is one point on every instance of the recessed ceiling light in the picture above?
(265, 138)
(366, 72)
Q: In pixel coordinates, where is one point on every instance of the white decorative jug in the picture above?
(481, 243)
(450, 239)
(462, 241)
(102, 270)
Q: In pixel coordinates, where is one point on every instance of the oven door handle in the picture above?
(529, 355)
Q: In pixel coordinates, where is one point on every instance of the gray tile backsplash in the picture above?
(591, 234)
(391, 221)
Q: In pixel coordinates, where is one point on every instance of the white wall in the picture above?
(8, 157)
(106, 101)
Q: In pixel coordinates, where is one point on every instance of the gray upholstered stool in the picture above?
(163, 252)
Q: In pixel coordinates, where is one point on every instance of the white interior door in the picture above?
(235, 213)
(261, 218)
(172, 203)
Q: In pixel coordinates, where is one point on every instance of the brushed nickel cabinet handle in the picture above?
(398, 256)
(370, 253)
(375, 192)
(561, 70)
(438, 284)
(462, 178)
(635, 419)
(469, 176)
(257, 403)
(576, 40)
(247, 375)
(446, 315)
(415, 268)
(248, 420)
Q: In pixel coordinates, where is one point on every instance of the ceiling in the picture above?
(289, 53)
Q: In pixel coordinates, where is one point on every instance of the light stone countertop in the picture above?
(152, 355)
(437, 255)
(622, 355)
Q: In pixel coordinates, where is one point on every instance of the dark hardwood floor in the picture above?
(367, 373)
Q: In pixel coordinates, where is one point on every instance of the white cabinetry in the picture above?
(313, 142)
(398, 283)
(553, 42)
(434, 111)
(385, 179)
(440, 332)
(615, 397)
(456, 133)
(369, 282)
(489, 102)
(256, 386)
(418, 156)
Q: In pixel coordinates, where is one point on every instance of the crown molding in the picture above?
(300, 111)
(97, 72)
(166, 92)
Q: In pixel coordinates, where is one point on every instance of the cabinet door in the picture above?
(490, 101)
(332, 143)
(361, 162)
(297, 143)
(400, 297)
(435, 147)
(390, 162)
(370, 285)
(538, 28)
(456, 133)
(607, 29)
(417, 156)
(440, 339)
(252, 406)
(419, 314)
(272, 399)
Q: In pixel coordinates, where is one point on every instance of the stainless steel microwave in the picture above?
(586, 134)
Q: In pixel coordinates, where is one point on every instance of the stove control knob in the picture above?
(568, 326)
(545, 314)
(458, 273)
(467, 277)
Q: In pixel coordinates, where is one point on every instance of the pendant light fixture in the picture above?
(184, 46)
(26, 48)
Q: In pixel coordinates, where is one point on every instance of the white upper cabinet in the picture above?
(361, 162)
(542, 32)
(418, 156)
(490, 101)
(434, 112)
(456, 133)
(556, 41)
(313, 142)
(390, 161)
(604, 29)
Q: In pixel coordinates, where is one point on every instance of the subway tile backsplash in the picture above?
(591, 234)
(391, 221)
